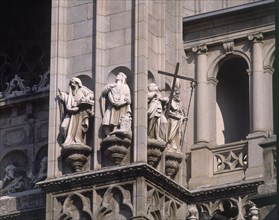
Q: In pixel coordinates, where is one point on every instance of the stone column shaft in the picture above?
(202, 108)
(258, 85)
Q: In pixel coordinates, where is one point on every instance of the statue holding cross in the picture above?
(177, 119)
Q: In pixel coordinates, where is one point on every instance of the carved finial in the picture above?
(200, 49)
(192, 212)
(228, 46)
(254, 212)
(256, 37)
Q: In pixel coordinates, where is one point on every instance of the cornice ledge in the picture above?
(241, 188)
(111, 175)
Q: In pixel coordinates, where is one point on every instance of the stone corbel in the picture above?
(228, 46)
(256, 37)
(202, 48)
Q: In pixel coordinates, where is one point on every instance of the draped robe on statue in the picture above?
(156, 119)
(119, 100)
(175, 120)
(76, 121)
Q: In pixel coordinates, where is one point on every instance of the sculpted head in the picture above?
(10, 171)
(152, 87)
(75, 83)
(43, 164)
(121, 77)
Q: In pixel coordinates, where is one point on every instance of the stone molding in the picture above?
(131, 172)
(199, 49)
(256, 38)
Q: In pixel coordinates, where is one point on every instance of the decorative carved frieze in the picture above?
(121, 174)
(14, 137)
(18, 87)
(116, 204)
(230, 158)
(230, 208)
(76, 206)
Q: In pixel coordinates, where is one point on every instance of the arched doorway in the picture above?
(232, 101)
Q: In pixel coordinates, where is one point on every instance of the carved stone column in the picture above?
(202, 113)
(258, 85)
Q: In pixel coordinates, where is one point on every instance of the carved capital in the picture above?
(256, 38)
(228, 46)
(202, 48)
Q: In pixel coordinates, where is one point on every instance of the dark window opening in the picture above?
(233, 99)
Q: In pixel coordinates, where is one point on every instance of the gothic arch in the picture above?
(171, 209)
(116, 202)
(76, 206)
(270, 56)
(214, 66)
(154, 205)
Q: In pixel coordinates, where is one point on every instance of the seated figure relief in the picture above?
(41, 175)
(77, 106)
(13, 181)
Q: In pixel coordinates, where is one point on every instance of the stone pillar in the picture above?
(258, 85)
(141, 80)
(202, 108)
(141, 199)
(268, 72)
(201, 167)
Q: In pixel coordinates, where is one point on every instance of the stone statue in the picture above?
(12, 181)
(118, 99)
(77, 108)
(176, 121)
(157, 121)
(42, 174)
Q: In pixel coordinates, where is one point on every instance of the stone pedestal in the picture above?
(154, 151)
(76, 155)
(115, 148)
(173, 159)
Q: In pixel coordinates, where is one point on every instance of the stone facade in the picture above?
(146, 110)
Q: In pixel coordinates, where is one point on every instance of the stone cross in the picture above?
(175, 76)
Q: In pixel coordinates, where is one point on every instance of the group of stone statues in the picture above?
(168, 129)
(16, 179)
(77, 106)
